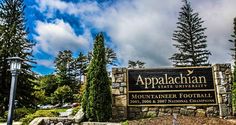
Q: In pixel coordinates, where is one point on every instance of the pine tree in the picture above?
(190, 38)
(65, 69)
(233, 40)
(80, 65)
(97, 96)
(14, 42)
(110, 56)
(136, 64)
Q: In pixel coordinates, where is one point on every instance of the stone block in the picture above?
(121, 112)
(123, 84)
(160, 114)
(135, 109)
(115, 92)
(121, 108)
(201, 113)
(191, 113)
(120, 100)
(119, 79)
(210, 110)
(152, 109)
(151, 114)
(191, 107)
(124, 70)
(131, 115)
(168, 110)
(121, 89)
(162, 110)
(186, 112)
(115, 85)
(125, 77)
(144, 109)
(175, 111)
(125, 90)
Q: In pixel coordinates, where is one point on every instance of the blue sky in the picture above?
(135, 29)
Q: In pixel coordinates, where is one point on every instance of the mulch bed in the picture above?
(183, 120)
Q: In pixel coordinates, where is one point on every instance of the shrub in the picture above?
(3, 119)
(63, 94)
(20, 113)
(75, 110)
(39, 113)
(97, 100)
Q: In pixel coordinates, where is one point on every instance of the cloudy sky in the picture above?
(135, 29)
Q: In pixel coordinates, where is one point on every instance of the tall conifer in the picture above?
(233, 49)
(14, 42)
(190, 38)
(97, 96)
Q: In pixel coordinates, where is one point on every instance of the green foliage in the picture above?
(80, 64)
(125, 122)
(41, 97)
(3, 119)
(75, 110)
(190, 38)
(39, 113)
(233, 49)
(63, 94)
(110, 56)
(19, 113)
(233, 40)
(48, 83)
(15, 43)
(136, 64)
(97, 101)
(22, 112)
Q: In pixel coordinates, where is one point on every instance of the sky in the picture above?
(134, 29)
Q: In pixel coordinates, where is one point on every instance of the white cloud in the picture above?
(50, 6)
(46, 63)
(57, 36)
(140, 29)
(218, 16)
(143, 29)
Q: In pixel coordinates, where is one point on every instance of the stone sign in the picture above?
(171, 87)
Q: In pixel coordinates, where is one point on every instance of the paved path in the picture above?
(14, 123)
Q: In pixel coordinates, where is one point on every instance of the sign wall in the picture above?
(171, 87)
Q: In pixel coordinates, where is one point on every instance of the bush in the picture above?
(20, 113)
(75, 110)
(3, 119)
(39, 113)
(63, 94)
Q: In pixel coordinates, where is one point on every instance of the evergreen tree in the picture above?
(97, 96)
(233, 40)
(65, 69)
(190, 38)
(136, 64)
(80, 64)
(14, 42)
(110, 56)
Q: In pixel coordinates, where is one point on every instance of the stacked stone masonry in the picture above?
(119, 90)
(122, 111)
